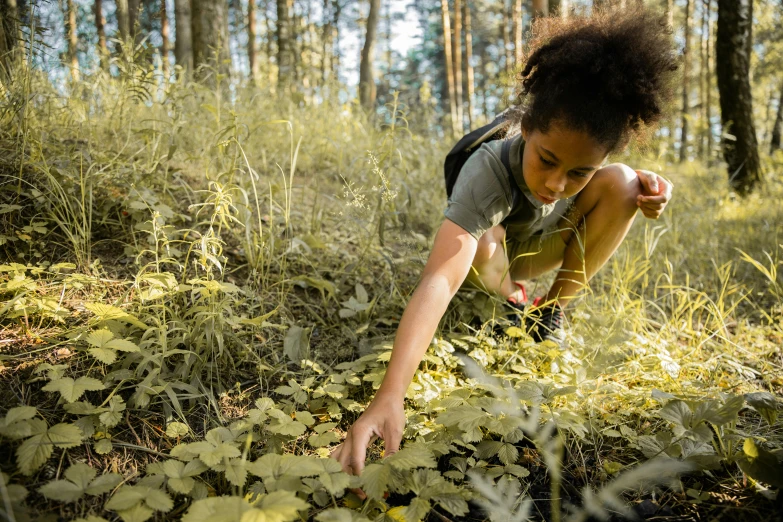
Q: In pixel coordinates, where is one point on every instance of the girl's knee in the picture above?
(619, 184)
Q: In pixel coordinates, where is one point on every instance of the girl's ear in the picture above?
(524, 133)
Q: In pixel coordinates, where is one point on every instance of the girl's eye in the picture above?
(546, 161)
(579, 174)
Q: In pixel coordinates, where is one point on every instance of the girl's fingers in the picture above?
(654, 199)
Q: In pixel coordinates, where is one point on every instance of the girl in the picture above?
(587, 87)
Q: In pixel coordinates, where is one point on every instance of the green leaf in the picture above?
(104, 355)
(465, 417)
(761, 465)
(80, 474)
(34, 451)
(296, 343)
(324, 439)
(79, 481)
(340, 515)
(282, 506)
(236, 471)
(62, 490)
(765, 403)
(412, 457)
(64, 435)
(305, 417)
(99, 338)
(218, 509)
(71, 390)
(716, 413)
(335, 483)
(678, 412)
(417, 510)
(15, 424)
(375, 480)
(103, 446)
(158, 500)
(137, 513)
(182, 485)
(122, 345)
(288, 426)
(177, 429)
(104, 483)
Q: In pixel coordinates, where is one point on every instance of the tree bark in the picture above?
(210, 40)
(337, 9)
(285, 59)
(559, 8)
(445, 17)
(165, 45)
(251, 41)
(774, 143)
(457, 55)
(540, 8)
(686, 60)
(123, 19)
(73, 42)
(708, 83)
(516, 30)
(134, 9)
(507, 33)
(100, 29)
(183, 45)
(732, 56)
(9, 36)
(366, 77)
(701, 135)
(468, 60)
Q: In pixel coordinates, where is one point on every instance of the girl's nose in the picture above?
(556, 182)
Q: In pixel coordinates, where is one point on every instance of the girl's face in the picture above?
(560, 162)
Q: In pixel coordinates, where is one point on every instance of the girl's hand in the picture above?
(384, 418)
(657, 193)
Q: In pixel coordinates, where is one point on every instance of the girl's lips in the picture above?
(546, 200)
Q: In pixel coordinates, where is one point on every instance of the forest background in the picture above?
(213, 213)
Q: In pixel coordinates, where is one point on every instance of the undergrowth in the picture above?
(200, 290)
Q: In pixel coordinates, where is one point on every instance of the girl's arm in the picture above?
(446, 269)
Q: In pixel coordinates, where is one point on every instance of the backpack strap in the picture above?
(504, 158)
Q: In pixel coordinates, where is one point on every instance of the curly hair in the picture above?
(609, 75)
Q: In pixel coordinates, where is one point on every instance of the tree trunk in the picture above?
(165, 45)
(251, 41)
(708, 83)
(732, 56)
(686, 60)
(9, 36)
(457, 55)
(285, 59)
(123, 19)
(444, 12)
(100, 29)
(183, 45)
(559, 8)
(134, 9)
(73, 60)
(516, 30)
(326, 34)
(337, 10)
(210, 40)
(540, 8)
(366, 78)
(774, 143)
(468, 61)
(700, 136)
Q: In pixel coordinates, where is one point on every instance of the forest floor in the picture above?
(199, 298)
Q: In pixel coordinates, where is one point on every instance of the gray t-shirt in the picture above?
(482, 195)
